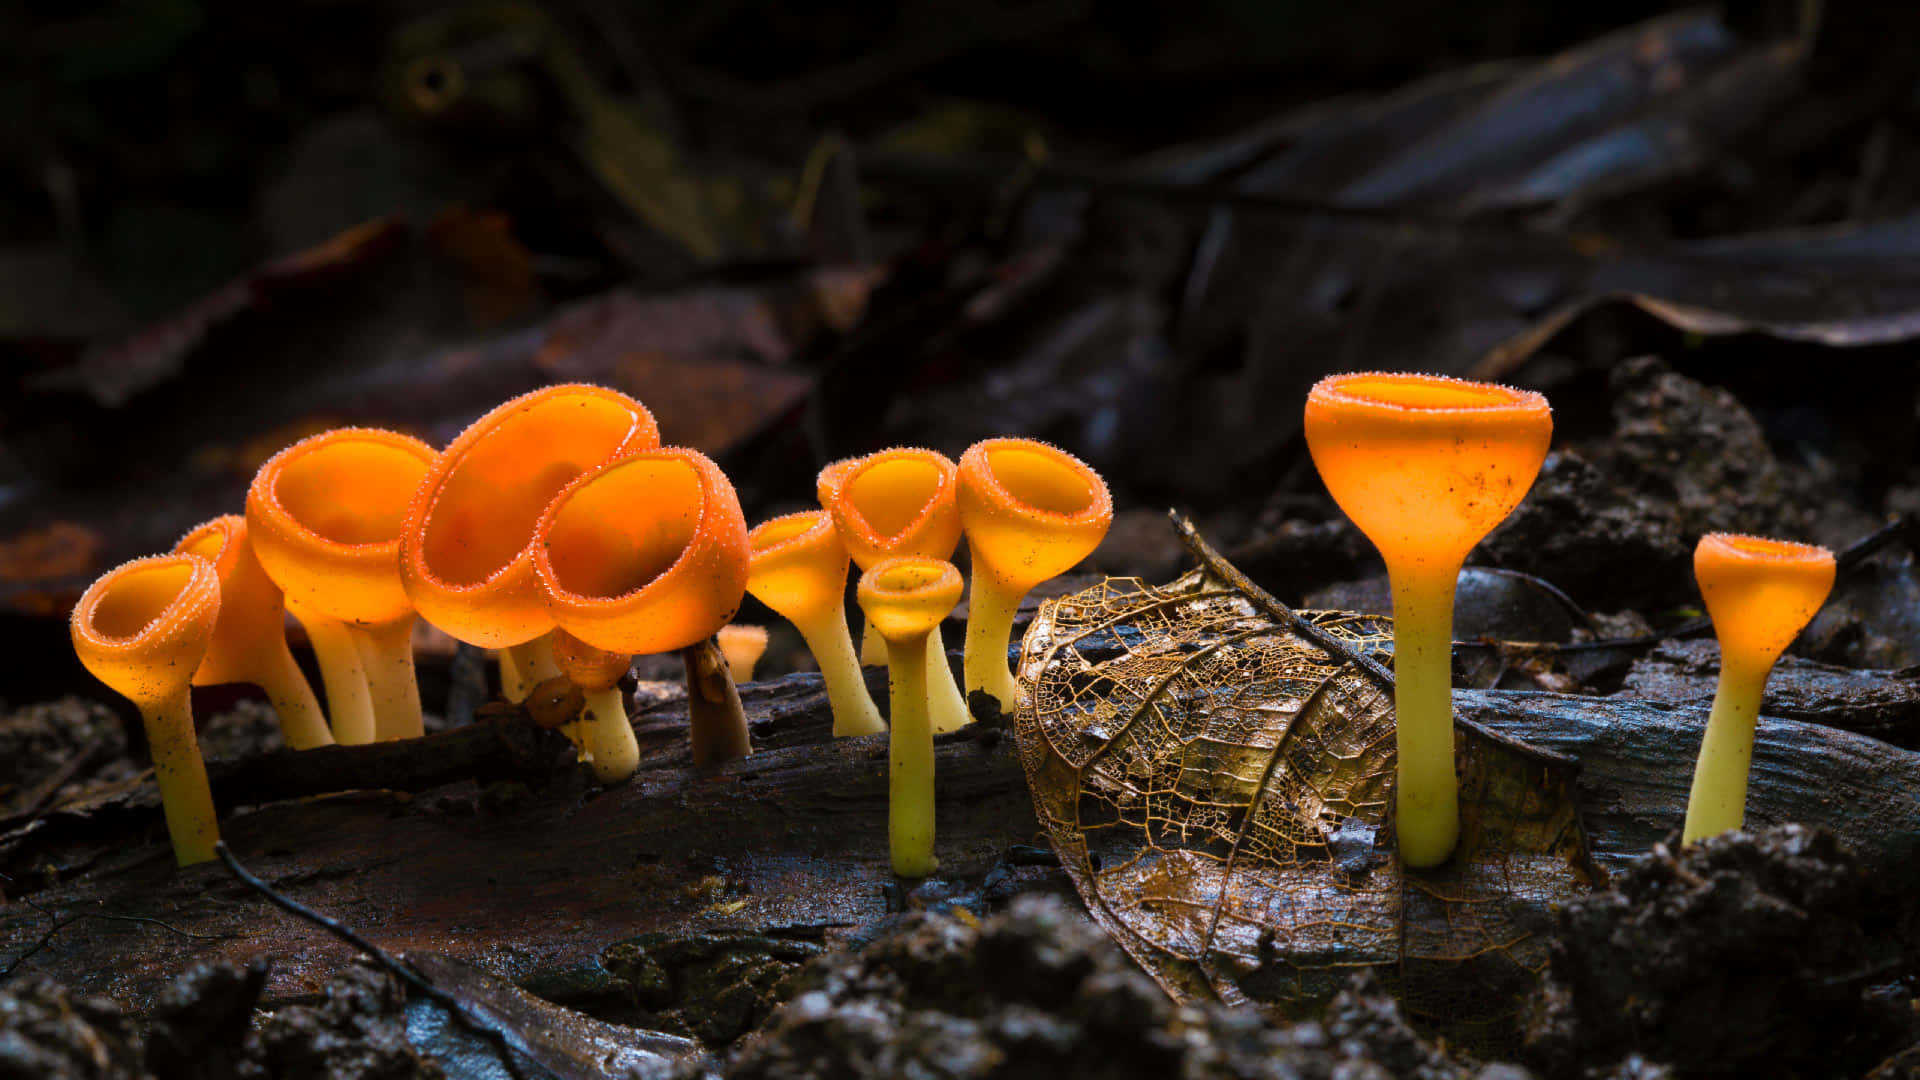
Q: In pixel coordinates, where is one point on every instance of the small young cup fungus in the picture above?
(603, 733)
(799, 569)
(143, 629)
(1426, 466)
(1031, 512)
(249, 642)
(324, 517)
(900, 502)
(646, 554)
(466, 551)
(743, 646)
(906, 598)
(1760, 593)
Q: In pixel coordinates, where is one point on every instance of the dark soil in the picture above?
(1040, 992)
(1764, 954)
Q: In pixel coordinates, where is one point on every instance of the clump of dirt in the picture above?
(357, 1032)
(1614, 521)
(199, 1025)
(712, 987)
(1040, 992)
(47, 1033)
(1770, 953)
(37, 740)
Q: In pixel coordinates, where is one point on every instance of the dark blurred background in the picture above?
(1138, 230)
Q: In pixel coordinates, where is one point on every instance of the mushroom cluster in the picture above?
(1029, 512)
(554, 529)
(558, 531)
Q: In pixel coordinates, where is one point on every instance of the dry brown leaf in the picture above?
(1219, 787)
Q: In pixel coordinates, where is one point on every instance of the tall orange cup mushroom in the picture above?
(799, 569)
(1426, 466)
(893, 503)
(143, 629)
(906, 598)
(604, 732)
(1031, 512)
(250, 641)
(1760, 593)
(647, 554)
(324, 518)
(466, 551)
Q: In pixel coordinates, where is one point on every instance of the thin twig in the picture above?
(459, 1010)
(1217, 565)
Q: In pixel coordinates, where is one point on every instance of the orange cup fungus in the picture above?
(1031, 512)
(799, 569)
(892, 503)
(1760, 593)
(604, 733)
(143, 629)
(743, 646)
(249, 643)
(1425, 466)
(467, 549)
(324, 517)
(906, 598)
(648, 553)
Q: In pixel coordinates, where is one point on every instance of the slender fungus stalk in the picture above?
(324, 518)
(1031, 512)
(143, 629)
(743, 646)
(906, 598)
(603, 733)
(900, 502)
(466, 551)
(799, 569)
(647, 554)
(249, 642)
(1425, 466)
(1761, 594)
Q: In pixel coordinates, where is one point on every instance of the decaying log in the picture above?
(1883, 704)
(534, 882)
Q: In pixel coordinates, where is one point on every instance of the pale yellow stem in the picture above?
(531, 663)
(349, 704)
(605, 735)
(990, 610)
(185, 797)
(1427, 797)
(910, 816)
(946, 709)
(1718, 801)
(302, 724)
(387, 650)
(873, 647)
(854, 712)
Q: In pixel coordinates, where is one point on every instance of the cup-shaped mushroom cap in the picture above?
(466, 554)
(252, 613)
(324, 518)
(1425, 465)
(907, 596)
(894, 502)
(585, 666)
(1761, 593)
(799, 565)
(1031, 510)
(144, 626)
(646, 554)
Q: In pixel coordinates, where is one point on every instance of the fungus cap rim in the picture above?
(426, 500)
(277, 514)
(1748, 550)
(977, 464)
(793, 543)
(557, 592)
(1334, 392)
(836, 479)
(200, 591)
